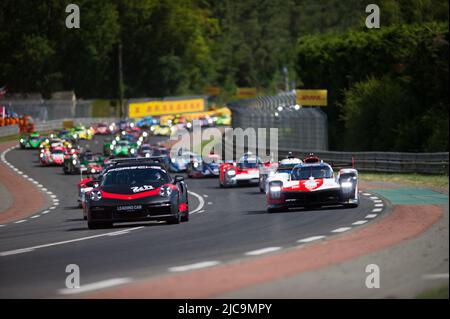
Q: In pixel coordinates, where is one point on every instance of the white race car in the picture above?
(313, 184)
(280, 170)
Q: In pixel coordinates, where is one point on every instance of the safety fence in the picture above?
(299, 127)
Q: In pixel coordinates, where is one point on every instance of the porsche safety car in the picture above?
(140, 190)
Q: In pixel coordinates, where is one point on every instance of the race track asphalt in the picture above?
(230, 222)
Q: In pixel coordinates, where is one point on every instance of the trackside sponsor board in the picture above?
(141, 109)
(312, 97)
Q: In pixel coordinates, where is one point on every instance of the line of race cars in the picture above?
(131, 179)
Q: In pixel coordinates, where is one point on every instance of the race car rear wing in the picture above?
(151, 159)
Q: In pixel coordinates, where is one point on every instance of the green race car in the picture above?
(124, 148)
(31, 140)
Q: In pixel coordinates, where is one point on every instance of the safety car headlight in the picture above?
(96, 195)
(231, 172)
(165, 191)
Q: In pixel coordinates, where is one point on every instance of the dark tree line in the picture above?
(173, 47)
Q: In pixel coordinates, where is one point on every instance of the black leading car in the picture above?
(137, 190)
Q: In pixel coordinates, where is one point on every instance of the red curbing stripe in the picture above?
(19, 188)
(403, 223)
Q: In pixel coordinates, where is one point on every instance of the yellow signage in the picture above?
(141, 109)
(312, 97)
(212, 90)
(245, 93)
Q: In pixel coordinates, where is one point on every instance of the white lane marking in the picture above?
(201, 211)
(6, 253)
(435, 276)
(25, 176)
(199, 265)
(377, 201)
(16, 251)
(95, 286)
(20, 172)
(371, 216)
(262, 251)
(44, 189)
(310, 239)
(45, 212)
(204, 195)
(52, 208)
(379, 205)
(50, 193)
(53, 196)
(209, 203)
(360, 222)
(35, 216)
(373, 197)
(20, 221)
(40, 185)
(119, 233)
(2, 225)
(201, 202)
(367, 194)
(341, 229)
(377, 210)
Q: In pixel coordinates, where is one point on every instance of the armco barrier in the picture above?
(9, 130)
(386, 162)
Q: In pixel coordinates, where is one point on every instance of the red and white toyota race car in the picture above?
(244, 172)
(52, 156)
(313, 184)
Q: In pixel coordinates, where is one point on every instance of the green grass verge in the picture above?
(9, 138)
(435, 293)
(438, 181)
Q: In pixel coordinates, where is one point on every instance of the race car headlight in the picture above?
(147, 154)
(75, 135)
(111, 127)
(96, 195)
(22, 140)
(93, 170)
(347, 185)
(165, 191)
(74, 162)
(145, 134)
(111, 147)
(275, 190)
(117, 138)
(189, 125)
(195, 164)
(173, 160)
(132, 151)
(231, 172)
(47, 140)
(41, 155)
